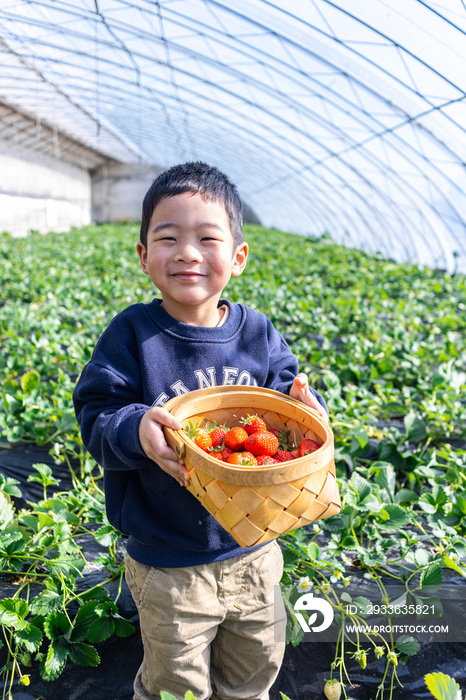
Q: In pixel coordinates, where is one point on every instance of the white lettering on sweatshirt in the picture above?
(208, 378)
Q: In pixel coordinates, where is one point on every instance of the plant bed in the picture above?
(302, 676)
(61, 579)
(305, 671)
(15, 463)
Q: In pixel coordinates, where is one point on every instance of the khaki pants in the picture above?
(215, 629)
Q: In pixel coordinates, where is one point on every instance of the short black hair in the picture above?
(198, 178)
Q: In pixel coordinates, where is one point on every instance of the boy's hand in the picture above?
(155, 446)
(300, 390)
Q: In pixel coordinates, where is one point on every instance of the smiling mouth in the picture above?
(188, 276)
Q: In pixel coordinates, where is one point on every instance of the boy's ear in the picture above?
(240, 257)
(142, 252)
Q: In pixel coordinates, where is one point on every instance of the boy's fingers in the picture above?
(164, 417)
(318, 407)
(155, 446)
(153, 441)
(159, 450)
(176, 470)
(300, 390)
(300, 380)
(312, 402)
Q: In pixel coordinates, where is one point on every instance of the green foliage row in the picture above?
(48, 619)
(384, 343)
(382, 340)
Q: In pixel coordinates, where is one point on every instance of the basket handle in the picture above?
(175, 442)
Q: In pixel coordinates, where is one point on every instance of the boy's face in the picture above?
(190, 256)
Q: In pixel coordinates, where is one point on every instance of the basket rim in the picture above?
(230, 473)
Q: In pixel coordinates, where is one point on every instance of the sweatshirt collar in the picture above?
(183, 331)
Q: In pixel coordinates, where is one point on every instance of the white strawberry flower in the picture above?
(304, 584)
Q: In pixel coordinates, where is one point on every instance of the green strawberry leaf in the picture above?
(415, 428)
(313, 551)
(450, 564)
(13, 611)
(55, 660)
(56, 625)
(103, 626)
(431, 577)
(407, 645)
(84, 654)
(85, 616)
(30, 637)
(30, 381)
(123, 628)
(106, 535)
(421, 557)
(7, 511)
(398, 517)
(45, 602)
(442, 687)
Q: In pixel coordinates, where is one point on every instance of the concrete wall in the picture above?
(118, 190)
(41, 192)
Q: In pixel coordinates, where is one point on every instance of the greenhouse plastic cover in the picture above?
(347, 117)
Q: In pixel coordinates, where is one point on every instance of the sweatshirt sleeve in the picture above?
(283, 366)
(108, 403)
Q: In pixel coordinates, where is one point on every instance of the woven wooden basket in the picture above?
(257, 504)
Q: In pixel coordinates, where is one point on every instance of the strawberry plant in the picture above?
(51, 619)
(381, 537)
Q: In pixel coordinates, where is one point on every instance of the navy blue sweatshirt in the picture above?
(144, 358)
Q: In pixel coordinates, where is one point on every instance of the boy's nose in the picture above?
(188, 253)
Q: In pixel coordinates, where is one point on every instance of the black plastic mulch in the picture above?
(302, 677)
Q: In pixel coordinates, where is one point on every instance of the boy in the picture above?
(208, 618)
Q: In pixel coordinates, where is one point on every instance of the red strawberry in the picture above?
(235, 438)
(200, 436)
(266, 460)
(307, 446)
(242, 458)
(224, 453)
(284, 456)
(217, 455)
(202, 440)
(262, 443)
(217, 435)
(252, 424)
